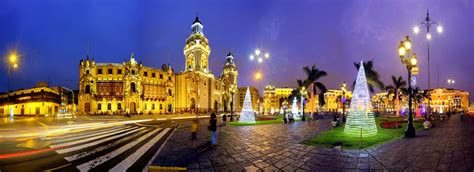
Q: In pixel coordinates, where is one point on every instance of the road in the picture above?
(114, 144)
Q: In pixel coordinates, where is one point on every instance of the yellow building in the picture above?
(332, 100)
(40, 100)
(443, 99)
(382, 103)
(273, 97)
(254, 96)
(131, 87)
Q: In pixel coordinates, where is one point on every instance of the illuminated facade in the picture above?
(253, 94)
(443, 98)
(40, 100)
(131, 87)
(332, 100)
(273, 97)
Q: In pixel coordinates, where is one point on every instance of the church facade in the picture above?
(131, 87)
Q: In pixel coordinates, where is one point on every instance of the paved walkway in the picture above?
(276, 147)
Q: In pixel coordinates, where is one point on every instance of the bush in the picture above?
(390, 124)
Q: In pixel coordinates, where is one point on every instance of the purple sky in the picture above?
(53, 36)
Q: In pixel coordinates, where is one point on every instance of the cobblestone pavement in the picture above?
(275, 147)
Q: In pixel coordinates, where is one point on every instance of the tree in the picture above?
(397, 89)
(313, 75)
(419, 96)
(373, 78)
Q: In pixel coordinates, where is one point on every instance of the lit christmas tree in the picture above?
(247, 114)
(360, 117)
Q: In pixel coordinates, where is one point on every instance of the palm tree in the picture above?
(397, 89)
(313, 75)
(373, 78)
(420, 95)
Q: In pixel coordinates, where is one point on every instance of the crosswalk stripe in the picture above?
(89, 139)
(98, 149)
(95, 162)
(66, 150)
(81, 133)
(87, 135)
(125, 164)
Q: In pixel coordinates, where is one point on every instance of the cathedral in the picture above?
(130, 87)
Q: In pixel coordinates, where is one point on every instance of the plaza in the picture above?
(236, 86)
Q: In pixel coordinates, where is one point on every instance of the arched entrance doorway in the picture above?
(193, 104)
(133, 108)
(87, 107)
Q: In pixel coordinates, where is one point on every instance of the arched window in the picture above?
(87, 71)
(132, 87)
(99, 106)
(169, 92)
(133, 72)
(88, 89)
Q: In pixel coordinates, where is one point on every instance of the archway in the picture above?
(88, 89)
(193, 104)
(133, 108)
(87, 107)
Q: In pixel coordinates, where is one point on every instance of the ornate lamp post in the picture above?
(232, 91)
(343, 100)
(259, 56)
(427, 23)
(450, 82)
(303, 93)
(410, 61)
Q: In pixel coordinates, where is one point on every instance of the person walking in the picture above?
(194, 130)
(213, 129)
(224, 119)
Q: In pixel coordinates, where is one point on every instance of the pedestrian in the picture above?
(194, 130)
(224, 119)
(213, 129)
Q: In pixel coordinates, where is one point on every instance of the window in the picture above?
(145, 106)
(99, 71)
(88, 89)
(119, 71)
(87, 71)
(133, 72)
(161, 76)
(169, 92)
(110, 71)
(153, 106)
(119, 106)
(153, 75)
(169, 78)
(99, 106)
(145, 73)
(109, 106)
(132, 87)
(161, 106)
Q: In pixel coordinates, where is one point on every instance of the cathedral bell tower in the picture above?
(197, 49)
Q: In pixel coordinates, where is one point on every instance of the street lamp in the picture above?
(450, 82)
(259, 55)
(12, 62)
(343, 88)
(410, 60)
(427, 23)
(303, 93)
(258, 77)
(232, 91)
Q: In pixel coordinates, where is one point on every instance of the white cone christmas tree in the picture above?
(247, 114)
(360, 119)
(294, 107)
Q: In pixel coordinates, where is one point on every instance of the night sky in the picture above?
(52, 36)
